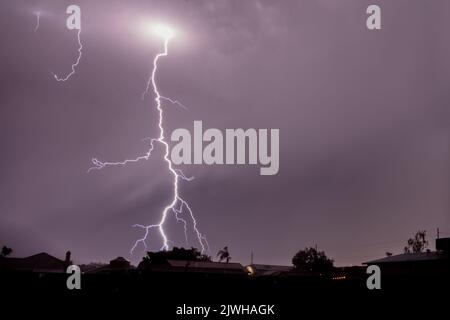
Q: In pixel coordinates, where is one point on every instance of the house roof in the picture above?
(117, 264)
(41, 261)
(268, 270)
(410, 257)
(204, 264)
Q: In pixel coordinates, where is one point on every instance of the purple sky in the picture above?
(363, 115)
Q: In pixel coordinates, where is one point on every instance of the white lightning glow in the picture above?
(178, 206)
(163, 31)
(75, 64)
(38, 19)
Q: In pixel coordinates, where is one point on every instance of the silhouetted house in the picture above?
(119, 264)
(422, 263)
(205, 267)
(87, 268)
(262, 270)
(430, 263)
(41, 262)
(443, 244)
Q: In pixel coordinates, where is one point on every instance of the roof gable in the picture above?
(409, 257)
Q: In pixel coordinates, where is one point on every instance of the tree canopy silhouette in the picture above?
(417, 244)
(312, 260)
(161, 257)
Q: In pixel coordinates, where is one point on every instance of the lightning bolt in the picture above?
(178, 206)
(75, 64)
(38, 18)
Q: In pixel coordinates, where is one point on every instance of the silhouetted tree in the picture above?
(312, 260)
(224, 255)
(417, 244)
(6, 251)
(161, 257)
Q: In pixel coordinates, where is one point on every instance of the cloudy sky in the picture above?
(363, 115)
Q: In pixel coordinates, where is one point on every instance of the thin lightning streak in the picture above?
(38, 18)
(147, 87)
(177, 212)
(80, 48)
(183, 176)
(199, 235)
(176, 102)
(206, 242)
(98, 165)
(176, 173)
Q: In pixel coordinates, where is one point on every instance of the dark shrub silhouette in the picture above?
(312, 260)
(6, 251)
(417, 244)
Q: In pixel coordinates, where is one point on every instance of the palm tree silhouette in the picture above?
(224, 255)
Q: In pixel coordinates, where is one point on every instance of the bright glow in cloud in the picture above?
(163, 31)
